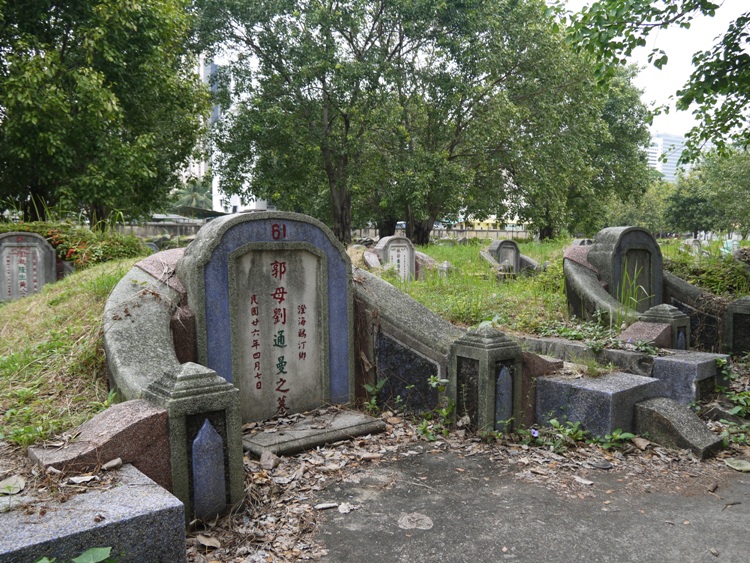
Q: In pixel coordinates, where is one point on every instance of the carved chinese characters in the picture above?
(27, 262)
(278, 338)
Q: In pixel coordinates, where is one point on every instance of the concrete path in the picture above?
(447, 508)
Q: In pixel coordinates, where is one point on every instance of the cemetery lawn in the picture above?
(471, 294)
(53, 372)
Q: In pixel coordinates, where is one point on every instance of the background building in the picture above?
(664, 152)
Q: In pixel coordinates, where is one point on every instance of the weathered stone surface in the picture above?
(192, 395)
(398, 330)
(507, 255)
(678, 320)
(27, 262)
(398, 252)
(270, 272)
(371, 260)
(209, 485)
(674, 425)
(687, 376)
(162, 266)
(738, 325)
(533, 366)
(135, 431)
(601, 404)
(587, 298)
(137, 337)
(629, 261)
(313, 431)
(138, 519)
(656, 334)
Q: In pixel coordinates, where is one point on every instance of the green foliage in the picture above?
(558, 437)
(718, 274)
(611, 30)
(733, 433)
(99, 105)
(81, 245)
(53, 370)
(615, 440)
(371, 405)
(477, 108)
(91, 555)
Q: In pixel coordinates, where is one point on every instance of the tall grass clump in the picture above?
(53, 373)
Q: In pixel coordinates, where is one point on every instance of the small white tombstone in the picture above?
(397, 251)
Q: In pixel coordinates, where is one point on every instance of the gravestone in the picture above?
(28, 262)
(629, 262)
(507, 254)
(271, 293)
(679, 322)
(397, 251)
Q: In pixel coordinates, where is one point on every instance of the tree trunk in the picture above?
(419, 231)
(546, 233)
(386, 227)
(341, 204)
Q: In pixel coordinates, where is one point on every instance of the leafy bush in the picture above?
(81, 245)
(721, 275)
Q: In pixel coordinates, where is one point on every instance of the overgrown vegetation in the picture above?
(715, 272)
(52, 364)
(81, 245)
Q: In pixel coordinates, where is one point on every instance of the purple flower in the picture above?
(535, 433)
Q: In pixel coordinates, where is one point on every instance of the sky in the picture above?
(659, 86)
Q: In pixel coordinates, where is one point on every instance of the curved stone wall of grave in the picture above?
(137, 337)
(399, 339)
(586, 296)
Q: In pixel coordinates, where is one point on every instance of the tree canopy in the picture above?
(719, 87)
(99, 104)
(377, 111)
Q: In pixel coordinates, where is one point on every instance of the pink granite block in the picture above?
(657, 334)
(135, 431)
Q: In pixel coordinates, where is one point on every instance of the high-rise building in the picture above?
(664, 153)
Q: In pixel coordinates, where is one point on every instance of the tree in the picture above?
(689, 207)
(722, 180)
(417, 110)
(99, 105)
(648, 211)
(720, 83)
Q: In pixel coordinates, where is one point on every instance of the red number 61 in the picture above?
(278, 231)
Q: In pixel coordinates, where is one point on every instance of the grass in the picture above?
(471, 294)
(52, 364)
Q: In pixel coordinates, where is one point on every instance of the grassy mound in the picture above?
(52, 364)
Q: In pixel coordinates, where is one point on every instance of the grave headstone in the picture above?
(629, 261)
(507, 254)
(397, 251)
(28, 262)
(271, 293)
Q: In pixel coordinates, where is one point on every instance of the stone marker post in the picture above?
(671, 315)
(205, 439)
(487, 365)
(738, 325)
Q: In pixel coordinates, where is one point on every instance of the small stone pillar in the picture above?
(487, 368)
(671, 315)
(205, 439)
(738, 325)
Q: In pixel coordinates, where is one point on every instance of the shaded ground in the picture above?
(396, 497)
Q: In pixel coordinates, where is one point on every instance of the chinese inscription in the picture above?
(278, 336)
